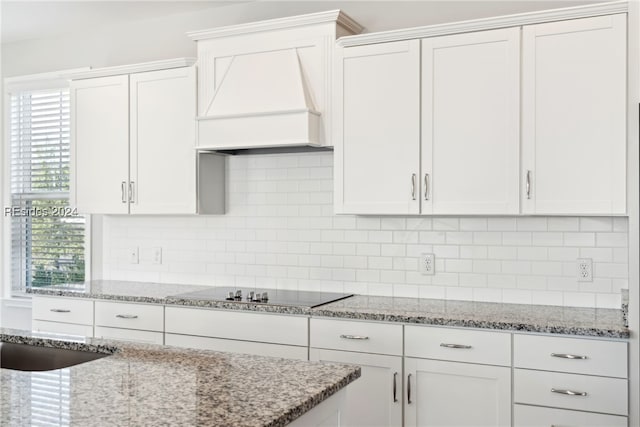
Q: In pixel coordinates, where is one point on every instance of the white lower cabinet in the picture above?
(456, 377)
(569, 381)
(375, 399)
(236, 346)
(243, 332)
(456, 394)
(58, 315)
(536, 416)
(129, 322)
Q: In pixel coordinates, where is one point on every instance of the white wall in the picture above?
(280, 232)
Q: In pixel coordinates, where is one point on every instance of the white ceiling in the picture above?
(27, 20)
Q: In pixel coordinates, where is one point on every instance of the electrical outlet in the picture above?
(427, 264)
(133, 255)
(585, 269)
(156, 255)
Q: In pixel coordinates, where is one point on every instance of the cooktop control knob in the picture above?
(265, 297)
(230, 296)
(251, 296)
(238, 295)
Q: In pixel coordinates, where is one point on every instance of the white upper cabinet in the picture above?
(377, 131)
(133, 142)
(470, 123)
(574, 116)
(100, 144)
(163, 162)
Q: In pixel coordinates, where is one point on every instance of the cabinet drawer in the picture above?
(269, 328)
(149, 337)
(130, 316)
(608, 395)
(356, 336)
(245, 347)
(574, 355)
(459, 345)
(62, 328)
(66, 310)
(535, 416)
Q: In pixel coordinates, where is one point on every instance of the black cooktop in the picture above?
(308, 299)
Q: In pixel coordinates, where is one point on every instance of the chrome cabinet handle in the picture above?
(413, 186)
(354, 337)
(409, 389)
(132, 187)
(395, 385)
(528, 184)
(60, 310)
(123, 190)
(568, 392)
(126, 316)
(455, 346)
(426, 186)
(568, 356)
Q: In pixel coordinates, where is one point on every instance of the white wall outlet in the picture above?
(156, 255)
(133, 255)
(427, 264)
(585, 269)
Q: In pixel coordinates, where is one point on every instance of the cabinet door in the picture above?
(377, 139)
(100, 144)
(375, 399)
(574, 115)
(456, 394)
(163, 157)
(470, 123)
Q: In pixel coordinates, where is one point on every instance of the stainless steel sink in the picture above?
(23, 357)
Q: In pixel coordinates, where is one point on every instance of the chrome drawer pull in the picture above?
(354, 337)
(568, 392)
(568, 356)
(126, 316)
(60, 310)
(455, 346)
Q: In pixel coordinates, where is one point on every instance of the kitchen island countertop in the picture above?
(142, 384)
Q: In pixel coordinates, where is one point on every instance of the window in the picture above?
(47, 236)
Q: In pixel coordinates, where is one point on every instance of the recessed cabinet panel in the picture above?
(163, 108)
(377, 136)
(470, 123)
(456, 394)
(100, 144)
(574, 116)
(375, 399)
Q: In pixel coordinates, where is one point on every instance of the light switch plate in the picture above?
(133, 255)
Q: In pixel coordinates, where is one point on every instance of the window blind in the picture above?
(47, 237)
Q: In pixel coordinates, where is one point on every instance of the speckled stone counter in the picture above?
(157, 293)
(147, 385)
(513, 317)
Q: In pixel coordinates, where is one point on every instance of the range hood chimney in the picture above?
(267, 84)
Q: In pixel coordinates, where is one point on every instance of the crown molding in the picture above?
(487, 23)
(164, 64)
(335, 16)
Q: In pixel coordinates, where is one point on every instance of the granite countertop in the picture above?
(142, 384)
(157, 293)
(597, 322)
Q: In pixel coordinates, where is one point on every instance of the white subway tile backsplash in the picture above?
(280, 231)
(563, 224)
(616, 240)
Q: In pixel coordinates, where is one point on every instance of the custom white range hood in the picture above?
(267, 84)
